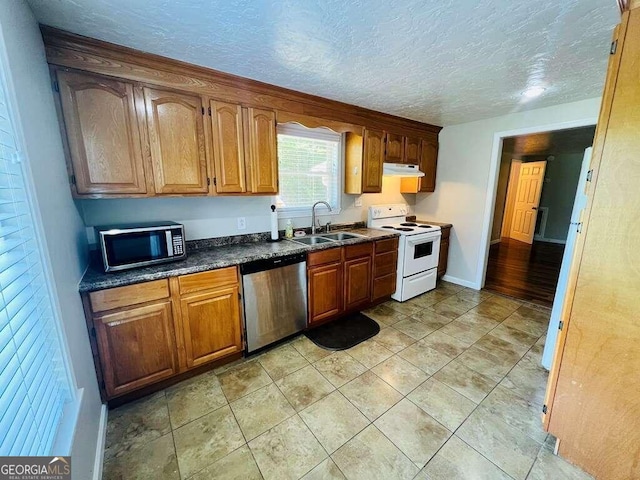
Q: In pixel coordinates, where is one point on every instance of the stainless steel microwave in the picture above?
(141, 244)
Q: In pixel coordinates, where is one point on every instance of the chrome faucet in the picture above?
(313, 215)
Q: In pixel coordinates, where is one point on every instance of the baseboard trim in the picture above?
(461, 282)
(102, 437)
(493, 242)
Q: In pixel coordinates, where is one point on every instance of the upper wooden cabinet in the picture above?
(103, 134)
(412, 150)
(428, 162)
(177, 141)
(228, 147)
(262, 160)
(395, 148)
(373, 160)
(141, 125)
(364, 156)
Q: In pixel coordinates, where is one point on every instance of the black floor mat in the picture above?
(344, 333)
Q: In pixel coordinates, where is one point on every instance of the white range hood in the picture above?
(401, 170)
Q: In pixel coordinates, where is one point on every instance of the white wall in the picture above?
(206, 217)
(467, 171)
(63, 227)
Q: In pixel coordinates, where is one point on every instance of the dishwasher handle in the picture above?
(271, 263)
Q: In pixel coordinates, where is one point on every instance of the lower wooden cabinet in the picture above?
(210, 325)
(325, 291)
(385, 263)
(143, 334)
(136, 347)
(444, 251)
(350, 278)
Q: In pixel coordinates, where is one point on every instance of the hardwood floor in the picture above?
(527, 272)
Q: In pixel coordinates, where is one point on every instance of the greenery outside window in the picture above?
(309, 167)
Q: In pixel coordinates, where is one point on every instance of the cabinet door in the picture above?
(211, 325)
(136, 347)
(177, 141)
(228, 147)
(412, 150)
(428, 164)
(444, 257)
(325, 292)
(103, 134)
(373, 158)
(394, 149)
(262, 158)
(383, 286)
(357, 282)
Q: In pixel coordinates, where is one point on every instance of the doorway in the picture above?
(537, 181)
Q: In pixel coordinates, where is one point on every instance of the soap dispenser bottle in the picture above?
(288, 232)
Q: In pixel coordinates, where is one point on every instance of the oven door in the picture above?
(135, 248)
(421, 253)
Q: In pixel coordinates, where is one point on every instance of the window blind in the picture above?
(34, 385)
(308, 166)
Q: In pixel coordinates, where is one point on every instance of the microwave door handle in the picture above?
(169, 239)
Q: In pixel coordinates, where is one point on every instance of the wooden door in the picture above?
(136, 346)
(525, 207)
(394, 149)
(428, 164)
(262, 158)
(594, 408)
(357, 282)
(325, 292)
(177, 141)
(228, 147)
(412, 150)
(103, 133)
(211, 325)
(372, 160)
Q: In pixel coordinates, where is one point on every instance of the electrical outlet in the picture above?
(242, 223)
(358, 202)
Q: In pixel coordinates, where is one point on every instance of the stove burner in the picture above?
(409, 224)
(387, 226)
(425, 226)
(404, 229)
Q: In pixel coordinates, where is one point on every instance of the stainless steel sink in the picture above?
(341, 236)
(311, 240)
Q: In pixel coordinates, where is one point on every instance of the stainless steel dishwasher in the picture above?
(275, 299)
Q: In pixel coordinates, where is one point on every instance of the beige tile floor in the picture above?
(451, 388)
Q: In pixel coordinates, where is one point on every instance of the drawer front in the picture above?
(386, 245)
(385, 264)
(383, 286)
(197, 282)
(111, 298)
(322, 257)
(358, 250)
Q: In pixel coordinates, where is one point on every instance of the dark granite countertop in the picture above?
(203, 259)
(412, 218)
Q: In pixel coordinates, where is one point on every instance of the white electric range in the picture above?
(418, 249)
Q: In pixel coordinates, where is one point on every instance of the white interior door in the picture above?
(525, 209)
(559, 300)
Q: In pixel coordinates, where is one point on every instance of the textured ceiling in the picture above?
(442, 62)
(573, 140)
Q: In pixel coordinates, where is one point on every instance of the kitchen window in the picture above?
(35, 383)
(309, 161)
